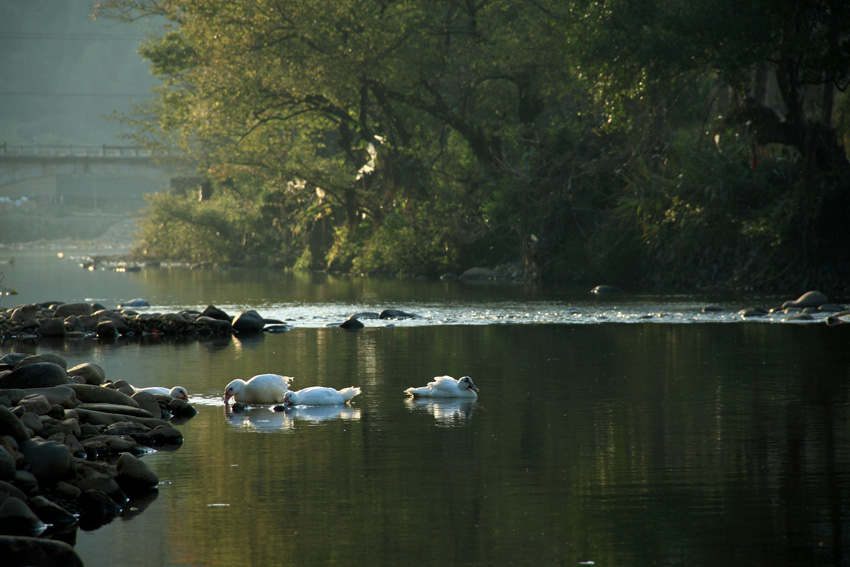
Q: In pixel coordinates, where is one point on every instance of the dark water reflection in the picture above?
(621, 444)
(657, 443)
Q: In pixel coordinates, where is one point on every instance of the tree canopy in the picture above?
(690, 143)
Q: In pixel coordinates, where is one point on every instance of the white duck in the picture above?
(177, 392)
(320, 396)
(446, 387)
(261, 389)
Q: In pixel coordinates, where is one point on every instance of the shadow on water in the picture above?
(619, 444)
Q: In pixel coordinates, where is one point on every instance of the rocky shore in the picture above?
(71, 444)
(81, 320)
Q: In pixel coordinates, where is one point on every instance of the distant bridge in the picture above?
(86, 176)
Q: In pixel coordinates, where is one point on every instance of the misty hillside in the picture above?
(63, 73)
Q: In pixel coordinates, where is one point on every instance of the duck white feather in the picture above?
(261, 389)
(177, 392)
(446, 387)
(320, 396)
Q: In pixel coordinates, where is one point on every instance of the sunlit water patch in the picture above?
(645, 310)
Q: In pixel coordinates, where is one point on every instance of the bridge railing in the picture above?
(70, 150)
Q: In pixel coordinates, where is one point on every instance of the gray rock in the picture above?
(215, 313)
(181, 408)
(28, 551)
(7, 465)
(116, 409)
(396, 314)
(91, 372)
(365, 315)
(94, 417)
(248, 322)
(96, 508)
(12, 359)
(166, 435)
(753, 312)
(13, 395)
(798, 317)
(56, 395)
(122, 386)
(107, 330)
(37, 375)
(16, 518)
(31, 422)
(24, 313)
(49, 461)
(36, 403)
(67, 491)
(78, 309)
(8, 489)
(100, 395)
(55, 359)
(100, 476)
(134, 476)
(26, 481)
(69, 426)
(215, 325)
(51, 513)
(149, 403)
(11, 425)
(73, 324)
(351, 325)
(74, 446)
(52, 328)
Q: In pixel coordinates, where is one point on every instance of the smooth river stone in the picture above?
(37, 375)
(115, 409)
(103, 418)
(90, 372)
(49, 461)
(134, 475)
(100, 395)
(22, 551)
(11, 425)
(57, 395)
(47, 357)
(16, 518)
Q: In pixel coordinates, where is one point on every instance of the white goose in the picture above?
(446, 387)
(320, 396)
(177, 392)
(261, 389)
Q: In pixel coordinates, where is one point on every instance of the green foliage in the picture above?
(223, 229)
(589, 139)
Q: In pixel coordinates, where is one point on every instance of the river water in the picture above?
(627, 430)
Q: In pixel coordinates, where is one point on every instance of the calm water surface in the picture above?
(621, 442)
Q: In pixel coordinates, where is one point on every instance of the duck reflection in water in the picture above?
(269, 420)
(446, 412)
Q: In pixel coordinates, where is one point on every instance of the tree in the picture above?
(424, 136)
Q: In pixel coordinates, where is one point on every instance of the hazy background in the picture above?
(62, 74)
(64, 77)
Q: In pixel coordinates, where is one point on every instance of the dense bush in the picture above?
(661, 142)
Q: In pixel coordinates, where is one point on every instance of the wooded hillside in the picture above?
(661, 142)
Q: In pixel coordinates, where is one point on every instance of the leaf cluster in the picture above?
(582, 138)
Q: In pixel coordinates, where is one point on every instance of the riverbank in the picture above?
(71, 444)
